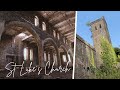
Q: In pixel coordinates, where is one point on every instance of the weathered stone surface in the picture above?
(83, 58)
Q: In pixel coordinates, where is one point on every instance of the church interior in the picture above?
(37, 37)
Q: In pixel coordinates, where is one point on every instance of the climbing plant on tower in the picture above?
(109, 59)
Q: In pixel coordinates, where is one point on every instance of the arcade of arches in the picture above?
(37, 37)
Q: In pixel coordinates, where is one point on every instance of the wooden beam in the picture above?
(64, 28)
(60, 18)
(68, 31)
(69, 34)
(56, 14)
(64, 22)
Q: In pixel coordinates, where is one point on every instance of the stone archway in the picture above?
(50, 50)
(18, 26)
(63, 55)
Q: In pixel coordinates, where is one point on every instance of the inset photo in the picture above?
(97, 45)
(36, 44)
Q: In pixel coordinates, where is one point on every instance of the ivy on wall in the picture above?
(92, 59)
(108, 54)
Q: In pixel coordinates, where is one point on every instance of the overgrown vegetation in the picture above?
(92, 59)
(117, 51)
(118, 58)
(109, 69)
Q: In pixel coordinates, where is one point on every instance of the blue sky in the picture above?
(113, 21)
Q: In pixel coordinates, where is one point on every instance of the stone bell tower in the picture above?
(98, 29)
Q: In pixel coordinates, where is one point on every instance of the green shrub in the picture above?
(108, 69)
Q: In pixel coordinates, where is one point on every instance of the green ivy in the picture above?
(108, 54)
(92, 59)
(108, 69)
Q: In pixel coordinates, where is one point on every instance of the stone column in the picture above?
(28, 61)
(58, 59)
(40, 54)
(46, 56)
(51, 57)
(35, 56)
(61, 59)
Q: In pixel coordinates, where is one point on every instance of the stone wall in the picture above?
(83, 59)
(5, 49)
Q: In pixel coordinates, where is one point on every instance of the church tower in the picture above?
(98, 29)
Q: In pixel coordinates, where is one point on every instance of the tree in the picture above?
(117, 51)
(88, 23)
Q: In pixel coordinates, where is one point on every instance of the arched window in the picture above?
(25, 53)
(31, 54)
(64, 40)
(58, 36)
(100, 26)
(64, 58)
(43, 26)
(54, 33)
(36, 21)
(55, 58)
(48, 56)
(95, 28)
(69, 58)
(45, 56)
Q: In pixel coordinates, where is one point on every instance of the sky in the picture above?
(113, 23)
